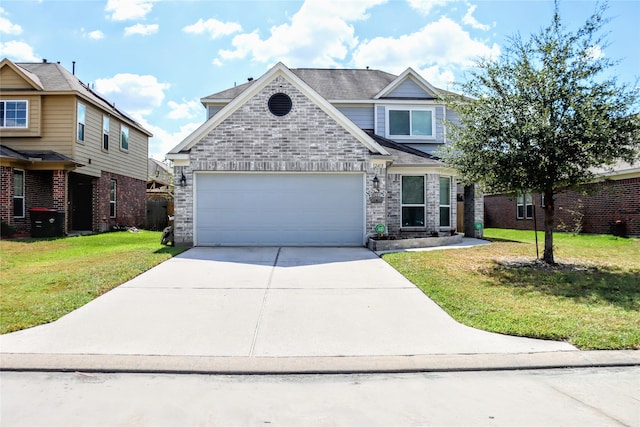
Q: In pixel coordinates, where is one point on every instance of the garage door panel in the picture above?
(279, 209)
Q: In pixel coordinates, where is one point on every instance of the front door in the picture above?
(80, 197)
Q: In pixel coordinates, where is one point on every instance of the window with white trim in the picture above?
(124, 138)
(524, 206)
(445, 202)
(13, 114)
(413, 201)
(82, 113)
(410, 123)
(18, 193)
(112, 198)
(105, 133)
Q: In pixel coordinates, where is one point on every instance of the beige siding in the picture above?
(131, 163)
(33, 120)
(11, 80)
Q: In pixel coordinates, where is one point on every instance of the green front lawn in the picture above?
(591, 299)
(44, 279)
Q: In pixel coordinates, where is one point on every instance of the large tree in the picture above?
(543, 115)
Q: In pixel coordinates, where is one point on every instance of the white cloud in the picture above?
(18, 51)
(6, 26)
(469, 19)
(141, 29)
(124, 10)
(319, 34)
(426, 6)
(134, 94)
(93, 35)
(163, 140)
(185, 109)
(440, 47)
(214, 28)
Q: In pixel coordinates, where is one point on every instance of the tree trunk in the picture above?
(549, 219)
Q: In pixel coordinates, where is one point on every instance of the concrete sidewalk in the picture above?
(269, 310)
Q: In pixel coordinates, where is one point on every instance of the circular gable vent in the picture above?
(280, 104)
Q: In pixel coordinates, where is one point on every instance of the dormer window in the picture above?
(414, 123)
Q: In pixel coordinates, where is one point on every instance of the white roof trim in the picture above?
(408, 73)
(261, 83)
(27, 75)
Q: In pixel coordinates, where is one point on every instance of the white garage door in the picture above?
(279, 209)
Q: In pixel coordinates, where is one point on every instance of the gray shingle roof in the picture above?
(333, 84)
(55, 78)
(37, 155)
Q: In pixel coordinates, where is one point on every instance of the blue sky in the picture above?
(156, 58)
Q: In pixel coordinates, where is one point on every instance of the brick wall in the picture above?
(600, 206)
(253, 139)
(6, 194)
(130, 202)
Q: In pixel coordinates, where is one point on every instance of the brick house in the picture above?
(608, 205)
(316, 157)
(65, 148)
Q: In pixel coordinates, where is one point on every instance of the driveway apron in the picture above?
(266, 302)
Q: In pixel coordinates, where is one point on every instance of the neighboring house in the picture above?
(316, 157)
(66, 148)
(608, 205)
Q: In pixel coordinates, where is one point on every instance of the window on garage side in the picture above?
(18, 193)
(413, 201)
(112, 198)
(445, 202)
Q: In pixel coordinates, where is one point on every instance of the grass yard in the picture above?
(44, 279)
(591, 299)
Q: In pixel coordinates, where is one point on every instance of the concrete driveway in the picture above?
(266, 302)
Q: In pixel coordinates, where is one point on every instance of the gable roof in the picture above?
(409, 73)
(53, 77)
(256, 86)
(28, 76)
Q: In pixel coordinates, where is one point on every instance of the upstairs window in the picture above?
(82, 112)
(410, 123)
(18, 193)
(124, 138)
(105, 133)
(413, 201)
(13, 114)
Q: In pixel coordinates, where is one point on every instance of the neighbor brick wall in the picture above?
(602, 205)
(131, 202)
(6, 194)
(253, 139)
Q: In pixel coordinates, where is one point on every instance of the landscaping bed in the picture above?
(376, 244)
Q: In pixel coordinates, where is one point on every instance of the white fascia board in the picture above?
(408, 73)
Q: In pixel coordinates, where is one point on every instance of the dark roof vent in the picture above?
(280, 104)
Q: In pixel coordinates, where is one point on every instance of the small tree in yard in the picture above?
(542, 115)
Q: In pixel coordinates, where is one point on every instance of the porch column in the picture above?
(473, 211)
(60, 187)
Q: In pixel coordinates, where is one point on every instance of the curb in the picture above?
(120, 363)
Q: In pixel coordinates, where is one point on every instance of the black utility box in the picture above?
(46, 222)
